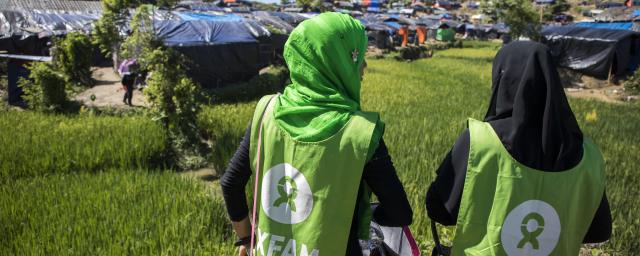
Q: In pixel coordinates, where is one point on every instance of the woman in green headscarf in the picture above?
(314, 153)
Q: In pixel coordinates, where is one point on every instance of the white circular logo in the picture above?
(286, 195)
(532, 229)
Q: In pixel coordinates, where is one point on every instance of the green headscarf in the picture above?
(324, 55)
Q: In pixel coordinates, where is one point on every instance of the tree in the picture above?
(106, 33)
(174, 98)
(72, 57)
(142, 38)
(560, 6)
(519, 15)
(304, 4)
(45, 88)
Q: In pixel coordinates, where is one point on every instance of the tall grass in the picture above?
(36, 144)
(425, 105)
(111, 213)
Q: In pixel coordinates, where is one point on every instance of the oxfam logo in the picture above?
(532, 228)
(286, 195)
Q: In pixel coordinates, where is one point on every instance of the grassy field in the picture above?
(92, 185)
(34, 144)
(425, 105)
(114, 212)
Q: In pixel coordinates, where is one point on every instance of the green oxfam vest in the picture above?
(510, 209)
(308, 190)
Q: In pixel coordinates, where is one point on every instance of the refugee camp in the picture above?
(320, 127)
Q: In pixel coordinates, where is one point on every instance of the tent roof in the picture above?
(202, 32)
(54, 5)
(586, 34)
(606, 25)
(591, 51)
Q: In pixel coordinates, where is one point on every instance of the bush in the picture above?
(45, 88)
(175, 103)
(632, 84)
(4, 83)
(520, 15)
(73, 58)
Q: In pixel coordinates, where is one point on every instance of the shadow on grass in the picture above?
(479, 60)
(272, 81)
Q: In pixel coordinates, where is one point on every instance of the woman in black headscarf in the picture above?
(530, 114)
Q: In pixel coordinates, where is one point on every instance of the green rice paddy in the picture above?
(92, 185)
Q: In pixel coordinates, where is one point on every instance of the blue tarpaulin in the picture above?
(374, 9)
(209, 17)
(202, 32)
(636, 13)
(606, 25)
(393, 24)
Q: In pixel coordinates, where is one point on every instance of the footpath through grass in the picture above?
(425, 105)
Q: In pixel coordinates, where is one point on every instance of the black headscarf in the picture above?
(529, 109)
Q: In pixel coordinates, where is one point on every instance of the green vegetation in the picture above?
(45, 89)
(632, 84)
(4, 84)
(174, 98)
(57, 199)
(49, 83)
(35, 144)
(520, 15)
(73, 59)
(111, 213)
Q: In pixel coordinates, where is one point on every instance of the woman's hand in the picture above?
(243, 251)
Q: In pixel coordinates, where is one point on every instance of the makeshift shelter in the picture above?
(220, 50)
(27, 28)
(633, 26)
(594, 52)
(617, 14)
(292, 18)
(198, 6)
(29, 32)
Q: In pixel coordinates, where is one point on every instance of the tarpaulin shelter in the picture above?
(220, 50)
(607, 5)
(609, 25)
(27, 28)
(292, 18)
(594, 52)
(617, 14)
(28, 32)
(373, 6)
(198, 6)
(276, 22)
(378, 33)
(545, 2)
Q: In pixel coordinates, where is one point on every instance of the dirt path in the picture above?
(108, 90)
(609, 94)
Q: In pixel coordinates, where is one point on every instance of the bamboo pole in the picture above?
(610, 74)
